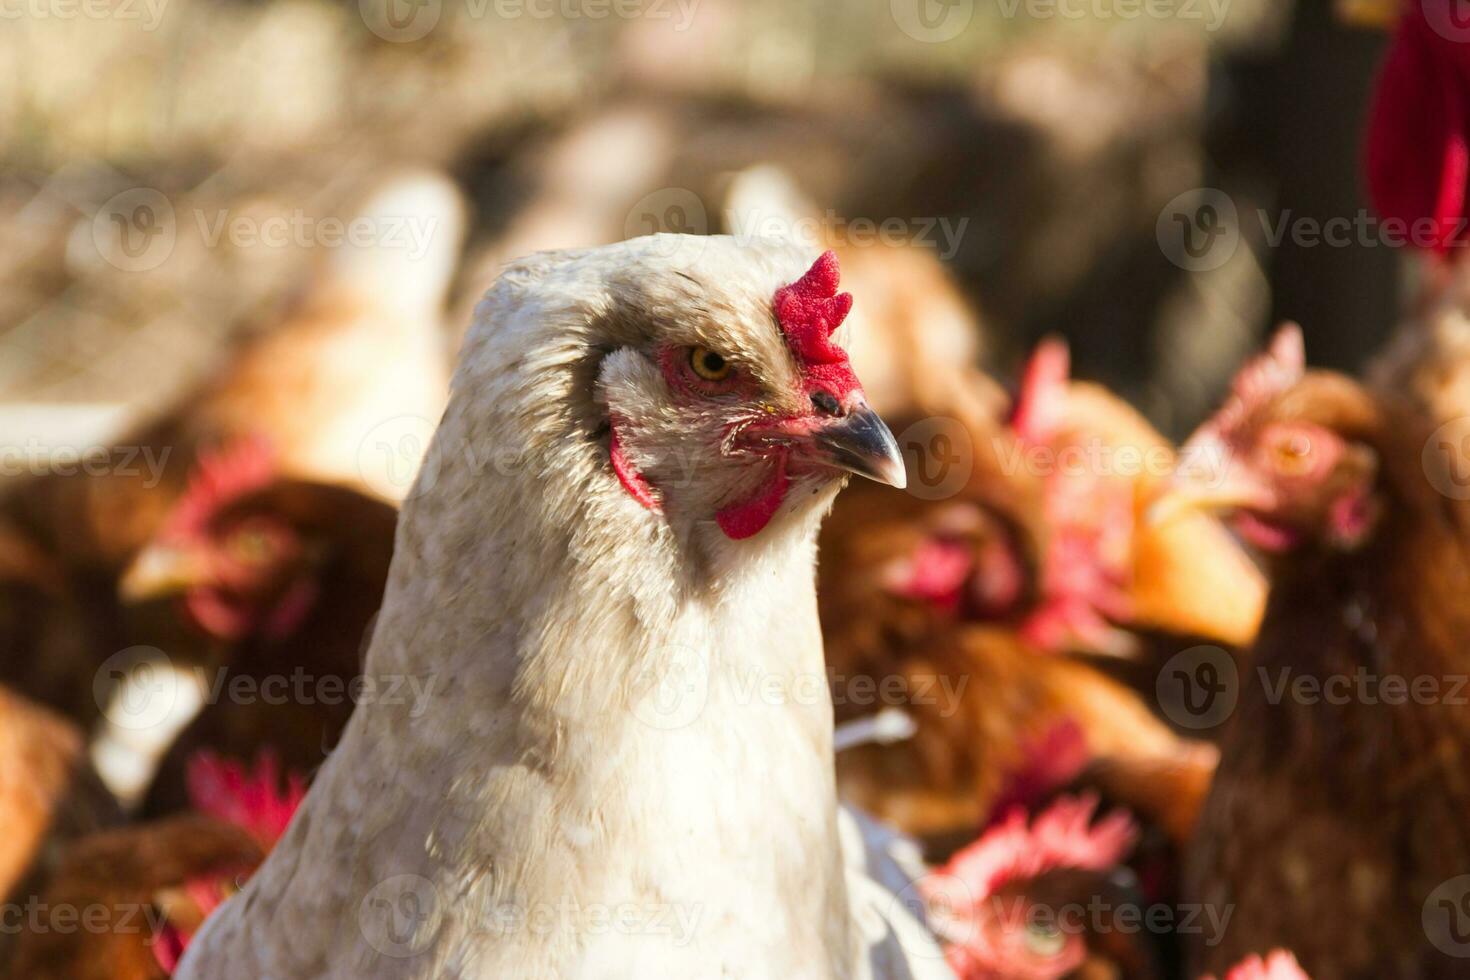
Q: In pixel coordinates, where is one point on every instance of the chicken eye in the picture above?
(709, 365)
(1293, 454)
(1044, 939)
(251, 545)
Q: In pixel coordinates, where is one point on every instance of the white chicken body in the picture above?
(622, 765)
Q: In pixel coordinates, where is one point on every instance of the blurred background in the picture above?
(241, 239)
(177, 174)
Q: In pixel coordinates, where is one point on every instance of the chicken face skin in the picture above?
(721, 418)
(1287, 456)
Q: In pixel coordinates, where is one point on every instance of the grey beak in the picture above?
(861, 443)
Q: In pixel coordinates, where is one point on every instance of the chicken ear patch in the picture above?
(628, 475)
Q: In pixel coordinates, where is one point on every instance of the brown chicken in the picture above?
(967, 605)
(1336, 819)
(270, 586)
(139, 893)
(345, 390)
(48, 791)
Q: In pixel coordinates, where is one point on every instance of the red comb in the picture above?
(221, 475)
(1063, 836)
(1261, 379)
(1042, 397)
(1280, 965)
(1417, 152)
(1048, 762)
(227, 790)
(808, 311)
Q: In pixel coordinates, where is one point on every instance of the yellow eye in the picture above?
(1044, 939)
(1293, 455)
(251, 546)
(709, 365)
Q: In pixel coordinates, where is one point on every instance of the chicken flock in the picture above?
(620, 684)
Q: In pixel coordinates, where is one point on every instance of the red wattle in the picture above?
(742, 520)
(633, 481)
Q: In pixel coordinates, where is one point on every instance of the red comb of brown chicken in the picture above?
(1337, 809)
(362, 348)
(999, 904)
(1278, 965)
(158, 881)
(265, 580)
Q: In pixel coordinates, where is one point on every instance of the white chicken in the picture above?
(604, 577)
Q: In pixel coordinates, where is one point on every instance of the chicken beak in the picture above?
(157, 572)
(861, 443)
(1185, 494)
